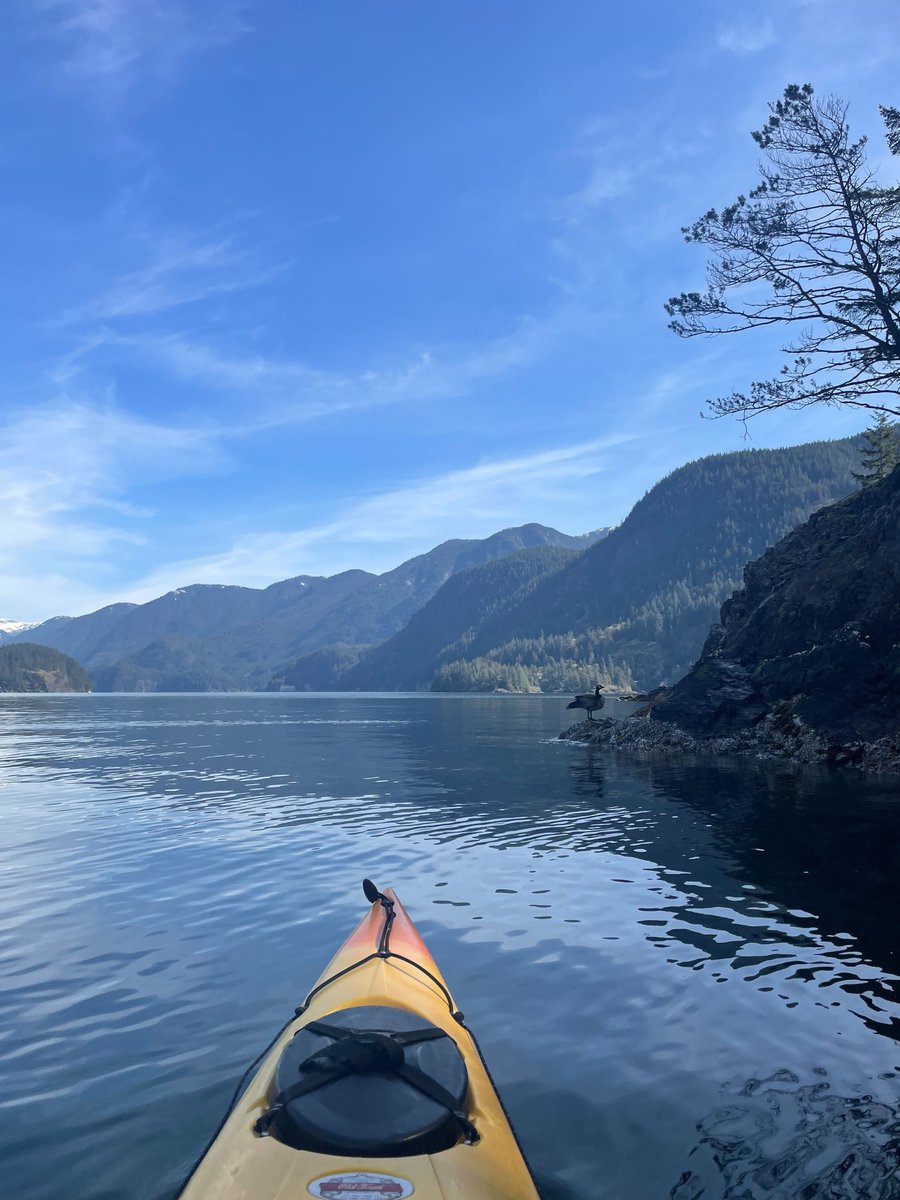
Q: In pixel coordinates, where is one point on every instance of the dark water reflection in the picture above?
(684, 974)
(776, 1136)
(817, 854)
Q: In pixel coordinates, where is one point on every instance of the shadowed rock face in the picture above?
(816, 627)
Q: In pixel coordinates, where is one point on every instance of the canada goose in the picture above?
(589, 700)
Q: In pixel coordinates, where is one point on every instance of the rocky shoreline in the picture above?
(805, 662)
(780, 735)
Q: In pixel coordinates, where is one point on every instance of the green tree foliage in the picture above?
(880, 452)
(442, 631)
(321, 671)
(813, 249)
(481, 675)
(26, 667)
(892, 126)
(170, 664)
(533, 666)
(643, 599)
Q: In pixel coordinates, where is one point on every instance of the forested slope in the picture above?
(641, 601)
(444, 628)
(31, 668)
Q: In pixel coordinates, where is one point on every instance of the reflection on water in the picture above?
(627, 936)
(776, 1136)
(813, 862)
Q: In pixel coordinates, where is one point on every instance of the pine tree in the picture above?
(881, 453)
(813, 249)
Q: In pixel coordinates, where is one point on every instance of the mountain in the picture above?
(171, 664)
(386, 602)
(633, 608)
(641, 601)
(321, 671)
(77, 636)
(30, 668)
(217, 636)
(808, 650)
(628, 607)
(9, 627)
(441, 630)
(48, 630)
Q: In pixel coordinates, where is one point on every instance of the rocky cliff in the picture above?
(806, 659)
(816, 628)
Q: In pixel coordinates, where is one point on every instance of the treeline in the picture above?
(170, 664)
(530, 672)
(645, 597)
(321, 671)
(443, 630)
(27, 667)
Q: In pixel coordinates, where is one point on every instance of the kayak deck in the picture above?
(240, 1165)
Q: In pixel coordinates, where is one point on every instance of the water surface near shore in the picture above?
(683, 974)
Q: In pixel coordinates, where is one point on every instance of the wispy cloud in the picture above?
(109, 45)
(377, 531)
(66, 470)
(284, 391)
(607, 169)
(747, 37)
(179, 268)
(605, 182)
(69, 470)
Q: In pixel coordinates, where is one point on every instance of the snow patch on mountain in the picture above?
(10, 627)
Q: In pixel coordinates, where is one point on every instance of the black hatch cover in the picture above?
(370, 1111)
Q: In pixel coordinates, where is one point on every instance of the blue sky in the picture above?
(298, 287)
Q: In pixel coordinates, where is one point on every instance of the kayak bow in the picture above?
(376, 1090)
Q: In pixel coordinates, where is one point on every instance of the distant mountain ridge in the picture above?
(636, 606)
(9, 627)
(220, 636)
(525, 609)
(439, 631)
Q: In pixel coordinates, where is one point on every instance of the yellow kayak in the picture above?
(376, 1090)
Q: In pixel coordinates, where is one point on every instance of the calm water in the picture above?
(684, 975)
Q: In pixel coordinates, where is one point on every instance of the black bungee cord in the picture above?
(384, 951)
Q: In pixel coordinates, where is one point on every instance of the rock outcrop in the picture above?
(816, 626)
(806, 660)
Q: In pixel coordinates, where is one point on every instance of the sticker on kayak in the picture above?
(361, 1185)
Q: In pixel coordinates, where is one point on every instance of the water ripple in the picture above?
(627, 937)
(778, 1137)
